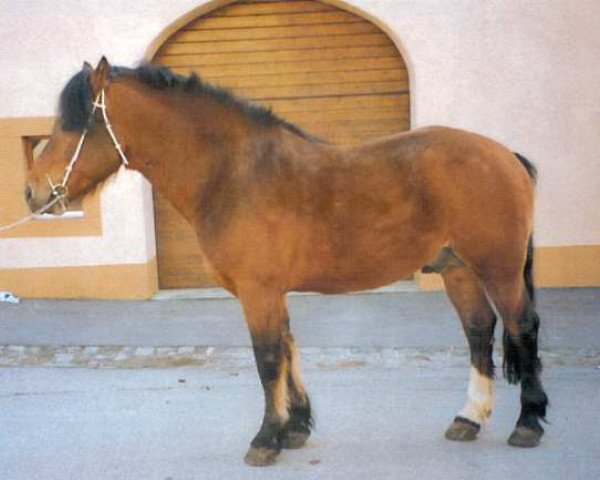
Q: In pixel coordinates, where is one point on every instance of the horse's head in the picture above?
(80, 152)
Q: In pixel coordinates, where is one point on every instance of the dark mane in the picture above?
(75, 103)
(76, 98)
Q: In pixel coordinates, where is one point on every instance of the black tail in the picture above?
(530, 167)
(511, 364)
(528, 271)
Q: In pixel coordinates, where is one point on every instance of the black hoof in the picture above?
(261, 456)
(293, 439)
(462, 430)
(524, 437)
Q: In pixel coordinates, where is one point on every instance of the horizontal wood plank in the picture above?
(180, 47)
(281, 56)
(180, 262)
(271, 8)
(289, 31)
(322, 90)
(261, 21)
(379, 127)
(326, 121)
(342, 118)
(249, 69)
(306, 78)
(286, 106)
(360, 137)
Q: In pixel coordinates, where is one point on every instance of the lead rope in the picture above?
(59, 191)
(30, 216)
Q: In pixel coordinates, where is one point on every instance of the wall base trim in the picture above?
(564, 266)
(128, 281)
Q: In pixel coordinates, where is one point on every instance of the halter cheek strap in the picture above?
(102, 106)
(59, 191)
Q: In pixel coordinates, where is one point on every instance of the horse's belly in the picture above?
(342, 283)
(366, 266)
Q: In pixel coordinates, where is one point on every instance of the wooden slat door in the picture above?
(333, 73)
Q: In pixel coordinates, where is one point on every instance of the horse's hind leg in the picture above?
(521, 363)
(478, 320)
(286, 421)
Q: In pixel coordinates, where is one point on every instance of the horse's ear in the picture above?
(87, 67)
(100, 76)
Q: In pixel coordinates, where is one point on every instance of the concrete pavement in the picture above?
(570, 320)
(81, 424)
(386, 372)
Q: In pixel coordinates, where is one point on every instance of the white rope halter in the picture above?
(59, 190)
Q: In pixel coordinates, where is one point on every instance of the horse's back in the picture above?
(453, 173)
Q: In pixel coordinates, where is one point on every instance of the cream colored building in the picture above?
(523, 72)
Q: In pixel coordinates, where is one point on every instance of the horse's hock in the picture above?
(332, 72)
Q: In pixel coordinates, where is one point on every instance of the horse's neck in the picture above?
(177, 152)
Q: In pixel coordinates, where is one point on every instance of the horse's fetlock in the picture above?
(534, 401)
(300, 419)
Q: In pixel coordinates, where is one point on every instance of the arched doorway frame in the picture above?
(212, 5)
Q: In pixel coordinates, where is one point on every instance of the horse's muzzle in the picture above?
(37, 202)
(30, 197)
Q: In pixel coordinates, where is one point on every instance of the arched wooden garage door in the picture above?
(331, 72)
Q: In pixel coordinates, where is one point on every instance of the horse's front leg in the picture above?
(285, 399)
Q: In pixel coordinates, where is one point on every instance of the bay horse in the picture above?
(277, 210)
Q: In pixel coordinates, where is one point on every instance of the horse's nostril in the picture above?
(28, 193)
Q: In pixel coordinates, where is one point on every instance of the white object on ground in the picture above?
(8, 298)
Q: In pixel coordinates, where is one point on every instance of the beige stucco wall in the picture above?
(521, 71)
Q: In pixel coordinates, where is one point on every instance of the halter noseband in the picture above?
(59, 191)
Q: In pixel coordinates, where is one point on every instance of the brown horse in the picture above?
(276, 210)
